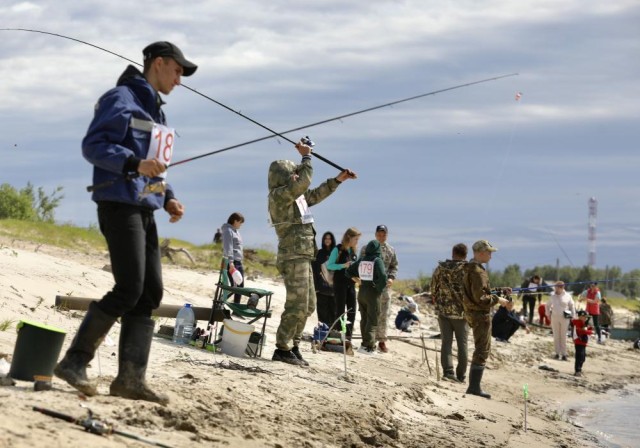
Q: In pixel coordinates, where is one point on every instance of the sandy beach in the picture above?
(390, 400)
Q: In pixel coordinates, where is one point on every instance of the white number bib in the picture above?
(305, 213)
(365, 270)
(161, 145)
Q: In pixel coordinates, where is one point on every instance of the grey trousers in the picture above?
(449, 327)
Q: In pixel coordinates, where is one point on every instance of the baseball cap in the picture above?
(165, 48)
(582, 313)
(483, 246)
(381, 228)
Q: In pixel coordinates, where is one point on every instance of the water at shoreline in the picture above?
(612, 418)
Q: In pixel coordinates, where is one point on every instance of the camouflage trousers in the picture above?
(383, 317)
(300, 302)
(480, 323)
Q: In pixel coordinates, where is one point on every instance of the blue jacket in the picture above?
(115, 145)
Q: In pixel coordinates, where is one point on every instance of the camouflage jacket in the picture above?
(477, 291)
(295, 239)
(389, 259)
(447, 288)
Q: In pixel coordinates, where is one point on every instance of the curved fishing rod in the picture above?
(340, 117)
(275, 134)
(587, 282)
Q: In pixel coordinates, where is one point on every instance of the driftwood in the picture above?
(164, 310)
(167, 251)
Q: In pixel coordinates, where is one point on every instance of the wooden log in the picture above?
(164, 310)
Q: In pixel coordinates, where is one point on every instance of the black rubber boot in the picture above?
(296, 352)
(73, 367)
(475, 378)
(135, 343)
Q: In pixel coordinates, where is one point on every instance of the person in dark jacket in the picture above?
(232, 248)
(581, 333)
(344, 290)
(130, 146)
(506, 322)
(530, 293)
(406, 317)
(325, 303)
(447, 291)
(370, 273)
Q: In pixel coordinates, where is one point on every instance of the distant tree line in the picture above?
(29, 204)
(609, 279)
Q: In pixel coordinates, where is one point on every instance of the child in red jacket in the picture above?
(581, 334)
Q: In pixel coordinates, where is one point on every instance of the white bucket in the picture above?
(235, 337)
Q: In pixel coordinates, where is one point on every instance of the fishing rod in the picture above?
(340, 117)
(499, 289)
(95, 426)
(230, 109)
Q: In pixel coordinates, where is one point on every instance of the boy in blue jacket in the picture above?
(369, 272)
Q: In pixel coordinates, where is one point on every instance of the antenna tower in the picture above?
(593, 214)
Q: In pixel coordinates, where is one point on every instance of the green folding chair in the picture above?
(223, 307)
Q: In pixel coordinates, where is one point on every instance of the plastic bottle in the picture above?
(185, 322)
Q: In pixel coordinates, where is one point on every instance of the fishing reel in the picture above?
(307, 141)
(153, 188)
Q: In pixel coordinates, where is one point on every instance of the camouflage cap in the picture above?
(483, 246)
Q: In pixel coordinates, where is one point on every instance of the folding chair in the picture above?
(223, 305)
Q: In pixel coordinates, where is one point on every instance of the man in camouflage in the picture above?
(289, 202)
(390, 261)
(447, 292)
(478, 302)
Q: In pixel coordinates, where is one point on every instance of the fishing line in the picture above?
(518, 97)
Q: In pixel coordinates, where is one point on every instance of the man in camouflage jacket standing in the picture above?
(289, 202)
(390, 261)
(447, 291)
(478, 302)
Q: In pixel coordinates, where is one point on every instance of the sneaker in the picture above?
(286, 356)
(578, 374)
(451, 377)
(564, 358)
(557, 357)
(296, 352)
(382, 346)
(406, 330)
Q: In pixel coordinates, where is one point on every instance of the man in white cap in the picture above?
(478, 301)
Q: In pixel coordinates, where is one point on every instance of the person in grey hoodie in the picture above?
(369, 272)
(232, 247)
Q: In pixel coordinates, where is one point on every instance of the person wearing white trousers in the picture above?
(561, 309)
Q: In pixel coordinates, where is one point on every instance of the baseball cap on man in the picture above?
(381, 228)
(164, 48)
(483, 246)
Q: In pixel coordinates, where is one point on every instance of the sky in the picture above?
(462, 165)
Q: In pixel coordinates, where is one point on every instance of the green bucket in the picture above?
(36, 351)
